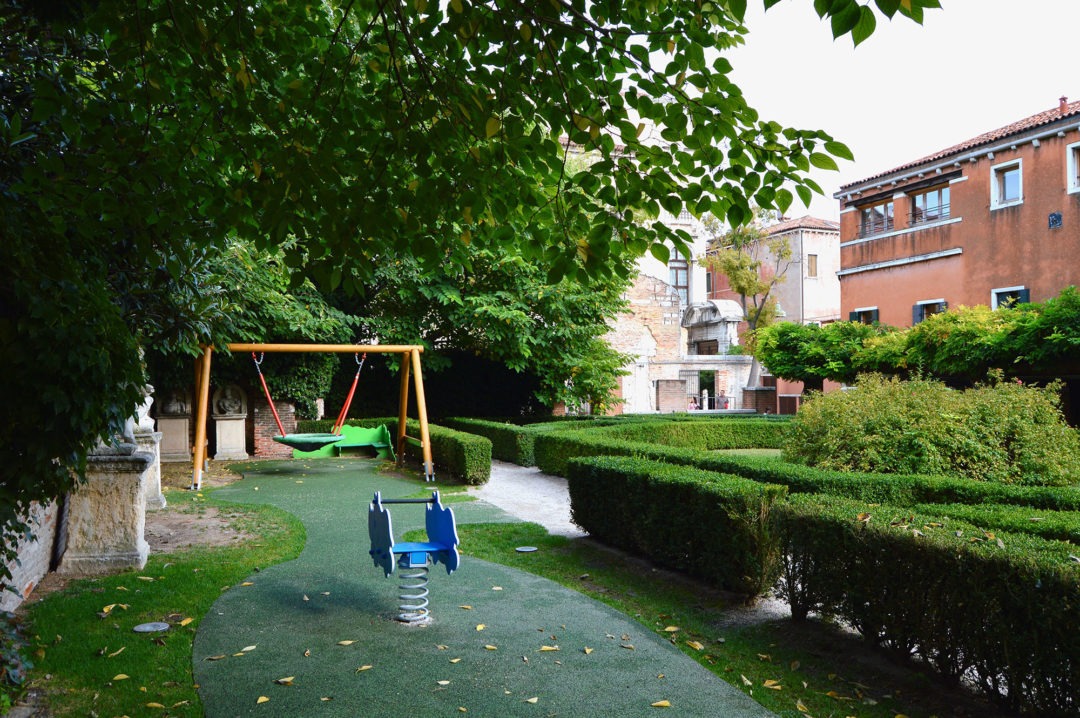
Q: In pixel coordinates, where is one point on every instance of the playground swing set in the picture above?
(410, 366)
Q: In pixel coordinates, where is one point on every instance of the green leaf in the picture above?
(839, 149)
(888, 7)
(738, 9)
(866, 25)
(823, 161)
(845, 21)
(661, 252)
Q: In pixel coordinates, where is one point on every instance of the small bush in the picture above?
(1004, 432)
(13, 661)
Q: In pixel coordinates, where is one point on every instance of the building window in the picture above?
(679, 278)
(811, 265)
(927, 308)
(863, 315)
(1072, 163)
(930, 206)
(876, 219)
(1009, 296)
(1007, 184)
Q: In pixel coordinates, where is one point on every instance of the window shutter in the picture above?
(916, 314)
(873, 315)
(1023, 296)
(853, 316)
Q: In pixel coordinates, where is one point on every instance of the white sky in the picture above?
(908, 90)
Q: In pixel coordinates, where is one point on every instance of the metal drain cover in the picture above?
(525, 549)
(151, 627)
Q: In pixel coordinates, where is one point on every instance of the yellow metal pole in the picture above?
(327, 348)
(421, 412)
(202, 390)
(403, 408)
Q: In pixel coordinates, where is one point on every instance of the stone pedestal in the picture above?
(175, 438)
(230, 423)
(149, 442)
(107, 515)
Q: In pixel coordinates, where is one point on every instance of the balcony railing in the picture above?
(932, 214)
(877, 225)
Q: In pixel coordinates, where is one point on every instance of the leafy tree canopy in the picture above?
(135, 136)
(962, 344)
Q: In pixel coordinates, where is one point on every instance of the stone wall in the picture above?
(34, 556)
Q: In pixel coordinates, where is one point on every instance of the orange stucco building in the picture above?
(991, 220)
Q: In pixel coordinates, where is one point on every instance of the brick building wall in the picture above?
(266, 429)
(34, 557)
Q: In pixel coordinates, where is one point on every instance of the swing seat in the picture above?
(308, 442)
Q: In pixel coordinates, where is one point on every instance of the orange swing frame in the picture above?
(410, 365)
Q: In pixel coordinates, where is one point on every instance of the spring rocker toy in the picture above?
(412, 556)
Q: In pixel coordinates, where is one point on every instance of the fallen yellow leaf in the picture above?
(671, 629)
(441, 647)
(215, 658)
(697, 646)
(746, 681)
(491, 647)
(661, 704)
(462, 709)
(245, 649)
(549, 648)
(480, 626)
(443, 683)
(534, 699)
(263, 699)
(467, 608)
(287, 681)
(345, 643)
(801, 707)
(145, 578)
(186, 621)
(365, 667)
(775, 685)
(455, 660)
(121, 677)
(627, 646)
(154, 705)
(114, 654)
(496, 588)
(248, 583)
(588, 650)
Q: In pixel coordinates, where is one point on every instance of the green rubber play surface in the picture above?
(326, 622)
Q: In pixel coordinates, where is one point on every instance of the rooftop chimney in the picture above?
(1063, 102)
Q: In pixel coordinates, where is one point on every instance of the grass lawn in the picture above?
(83, 647)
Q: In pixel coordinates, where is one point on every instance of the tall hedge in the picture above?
(1001, 609)
(712, 526)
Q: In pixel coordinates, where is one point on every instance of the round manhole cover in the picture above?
(151, 627)
(525, 549)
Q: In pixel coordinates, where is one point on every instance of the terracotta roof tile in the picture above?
(1062, 111)
(807, 222)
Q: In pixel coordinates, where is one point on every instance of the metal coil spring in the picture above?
(414, 580)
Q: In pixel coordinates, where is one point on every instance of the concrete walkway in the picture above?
(527, 494)
(502, 643)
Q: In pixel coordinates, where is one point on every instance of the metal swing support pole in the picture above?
(410, 364)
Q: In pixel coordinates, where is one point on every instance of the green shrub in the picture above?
(465, 458)
(555, 450)
(13, 660)
(509, 442)
(1052, 525)
(1005, 432)
(712, 526)
(1000, 609)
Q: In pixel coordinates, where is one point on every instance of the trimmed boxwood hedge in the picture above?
(712, 526)
(463, 457)
(554, 450)
(1053, 525)
(1002, 610)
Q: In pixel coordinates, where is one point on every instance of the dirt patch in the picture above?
(184, 523)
